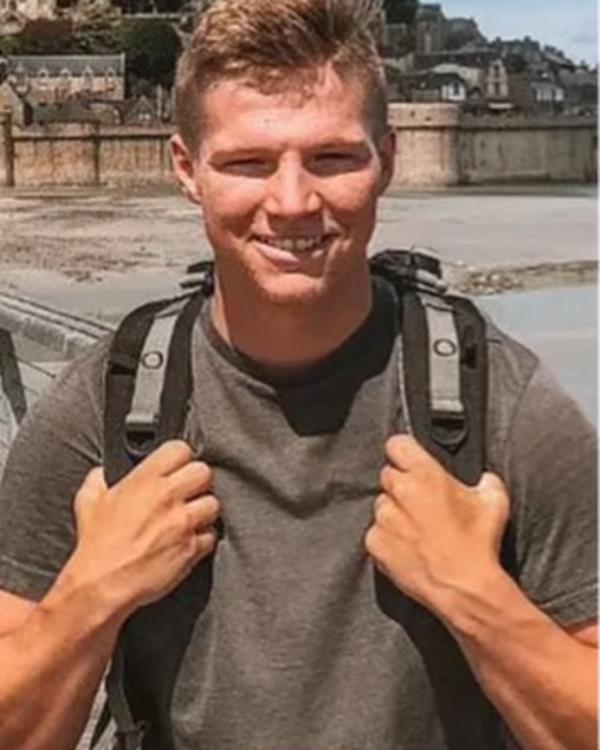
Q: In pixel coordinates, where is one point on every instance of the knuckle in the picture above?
(179, 448)
(211, 507)
(180, 525)
(205, 543)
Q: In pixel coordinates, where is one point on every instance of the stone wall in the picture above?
(527, 150)
(87, 154)
(437, 147)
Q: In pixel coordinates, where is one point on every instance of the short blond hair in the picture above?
(264, 43)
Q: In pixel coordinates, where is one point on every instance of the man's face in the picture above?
(288, 184)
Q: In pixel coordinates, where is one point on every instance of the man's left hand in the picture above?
(433, 536)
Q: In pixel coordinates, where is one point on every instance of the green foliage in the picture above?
(151, 49)
(10, 45)
(401, 11)
(41, 37)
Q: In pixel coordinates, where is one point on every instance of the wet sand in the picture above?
(99, 252)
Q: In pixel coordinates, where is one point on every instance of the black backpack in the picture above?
(444, 400)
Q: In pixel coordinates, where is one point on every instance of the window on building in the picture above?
(21, 78)
(43, 78)
(110, 79)
(497, 89)
(88, 79)
(64, 82)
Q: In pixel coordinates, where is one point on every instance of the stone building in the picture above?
(429, 28)
(50, 79)
(439, 87)
(14, 14)
(496, 81)
(21, 109)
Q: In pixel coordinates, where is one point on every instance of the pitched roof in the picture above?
(76, 64)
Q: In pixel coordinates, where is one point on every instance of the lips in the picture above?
(290, 253)
(293, 244)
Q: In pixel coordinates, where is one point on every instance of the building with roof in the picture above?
(51, 79)
(429, 28)
(14, 14)
(439, 87)
(21, 109)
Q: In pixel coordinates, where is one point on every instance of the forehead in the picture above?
(235, 114)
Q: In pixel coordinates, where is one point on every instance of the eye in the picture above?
(251, 167)
(335, 162)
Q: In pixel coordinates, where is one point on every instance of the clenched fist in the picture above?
(137, 540)
(433, 536)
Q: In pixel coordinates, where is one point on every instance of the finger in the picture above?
(200, 546)
(203, 512)
(391, 481)
(492, 491)
(190, 481)
(166, 459)
(385, 511)
(93, 485)
(406, 454)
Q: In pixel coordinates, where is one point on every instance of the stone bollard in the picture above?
(7, 153)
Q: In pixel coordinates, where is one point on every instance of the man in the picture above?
(282, 141)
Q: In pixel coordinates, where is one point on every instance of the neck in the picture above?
(285, 339)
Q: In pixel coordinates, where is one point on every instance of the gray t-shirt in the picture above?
(281, 643)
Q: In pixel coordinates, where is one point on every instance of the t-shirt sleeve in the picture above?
(58, 443)
(552, 466)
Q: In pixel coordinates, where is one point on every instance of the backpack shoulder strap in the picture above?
(147, 386)
(443, 376)
(149, 353)
(442, 362)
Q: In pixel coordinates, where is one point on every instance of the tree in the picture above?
(46, 37)
(151, 50)
(401, 11)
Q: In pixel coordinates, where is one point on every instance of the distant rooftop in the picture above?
(76, 64)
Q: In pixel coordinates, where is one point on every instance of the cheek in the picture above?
(227, 205)
(354, 198)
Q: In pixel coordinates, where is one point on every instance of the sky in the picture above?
(569, 25)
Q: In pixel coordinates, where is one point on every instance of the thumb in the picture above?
(93, 486)
(493, 493)
(491, 489)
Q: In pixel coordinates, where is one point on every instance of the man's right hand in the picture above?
(137, 540)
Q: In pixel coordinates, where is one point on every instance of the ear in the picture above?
(185, 170)
(387, 156)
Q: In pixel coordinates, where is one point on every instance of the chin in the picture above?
(293, 290)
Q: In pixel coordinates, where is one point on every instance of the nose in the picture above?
(292, 192)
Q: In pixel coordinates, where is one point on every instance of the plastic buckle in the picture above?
(140, 437)
(448, 429)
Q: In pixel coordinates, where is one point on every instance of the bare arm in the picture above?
(439, 541)
(136, 541)
(541, 678)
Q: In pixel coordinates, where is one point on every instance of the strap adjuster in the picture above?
(140, 434)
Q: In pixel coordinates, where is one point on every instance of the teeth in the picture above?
(293, 244)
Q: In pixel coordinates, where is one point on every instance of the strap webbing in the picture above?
(144, 413)
(444, 356)
(156, 334)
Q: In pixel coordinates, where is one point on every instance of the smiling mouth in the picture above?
(296, 245)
